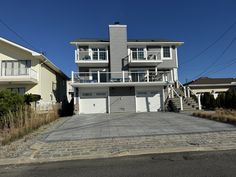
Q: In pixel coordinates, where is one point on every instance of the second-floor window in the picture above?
(166, 52)
(99, 54)
(137, 53)
(15, 68)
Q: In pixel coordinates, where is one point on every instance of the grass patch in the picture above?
(222, 115)
(24, 121)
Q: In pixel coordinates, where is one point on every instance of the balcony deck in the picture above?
(86, 59)
(125, 78)
(149, 58)
(30, 77)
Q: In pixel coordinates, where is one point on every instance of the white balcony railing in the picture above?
(87, 56)
(153, 56)
(19, 73)
(124, 76)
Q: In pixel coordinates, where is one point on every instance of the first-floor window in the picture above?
(20, 90)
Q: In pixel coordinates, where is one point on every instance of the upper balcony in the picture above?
(142, 57)
(88, 57)
(124, 78)
(19, 76)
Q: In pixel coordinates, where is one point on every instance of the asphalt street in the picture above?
(188, 164)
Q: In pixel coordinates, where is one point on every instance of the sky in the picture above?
(50, 26)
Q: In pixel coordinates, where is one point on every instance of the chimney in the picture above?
(118, 46)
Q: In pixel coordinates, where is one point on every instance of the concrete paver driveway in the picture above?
(131, 124)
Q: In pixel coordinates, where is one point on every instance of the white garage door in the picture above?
(148, 101)
(93, 102)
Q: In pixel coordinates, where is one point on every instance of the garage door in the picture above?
(93, 102)
(148, 101)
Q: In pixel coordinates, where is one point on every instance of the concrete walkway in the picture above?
(97, 126)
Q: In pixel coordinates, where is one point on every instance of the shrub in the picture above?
(171, 107)
(29, 98)
(10, 101)
(208, 101)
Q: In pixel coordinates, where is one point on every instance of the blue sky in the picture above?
(50, 25)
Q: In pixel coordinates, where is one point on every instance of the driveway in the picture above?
(96, 126)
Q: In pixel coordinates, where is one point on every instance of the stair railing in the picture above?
(183, 88)
(189, 91)
(173, 91)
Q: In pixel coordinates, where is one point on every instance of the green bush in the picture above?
(10, 102)
(220, 100)
(208, 101)
(29, 98)
(171, 107)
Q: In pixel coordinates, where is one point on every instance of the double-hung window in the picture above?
(137, 53)
(166, 52)
(99, 54)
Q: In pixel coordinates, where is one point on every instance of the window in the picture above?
(95, 53)
(102, 54)
(20, 90)
(138, 75)
(15, 68)
(87, 94)
(137, 53)
(101, 94)
(166, 52)
(99, 54)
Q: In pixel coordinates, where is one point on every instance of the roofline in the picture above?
(207, 85)
(131, 43)
(36, 54)
(20, 46)
(117, 25)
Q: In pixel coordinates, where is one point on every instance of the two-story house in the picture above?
(25, 71)
(123, 75)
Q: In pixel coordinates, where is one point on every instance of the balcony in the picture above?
(91, 58)
(124, 78)
(19, 76)
(145, 58)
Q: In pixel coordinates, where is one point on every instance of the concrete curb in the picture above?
(29, 160)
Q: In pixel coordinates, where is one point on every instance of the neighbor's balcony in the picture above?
(120, 78)
(19, 76)
(145, 58)
(91, 58)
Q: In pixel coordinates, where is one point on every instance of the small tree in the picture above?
(208, 101)
(220, 100)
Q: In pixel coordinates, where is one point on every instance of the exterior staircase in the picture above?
(180, 96)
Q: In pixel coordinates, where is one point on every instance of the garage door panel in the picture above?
(148, 101)
(93, 102)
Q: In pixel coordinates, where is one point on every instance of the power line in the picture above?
(225, 67)
(217, 59)
(17, 34)
(212, 44)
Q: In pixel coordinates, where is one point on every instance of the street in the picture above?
(187, 164)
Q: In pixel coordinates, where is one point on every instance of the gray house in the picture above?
(123, 75)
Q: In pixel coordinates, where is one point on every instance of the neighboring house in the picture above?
(123, 75)
(211, 85)
(26, 71)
